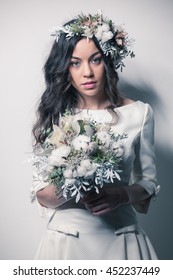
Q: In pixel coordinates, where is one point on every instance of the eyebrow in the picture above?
(94, 54)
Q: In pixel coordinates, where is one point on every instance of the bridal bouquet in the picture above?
(79, 155)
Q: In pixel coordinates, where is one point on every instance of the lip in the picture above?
(89, 85)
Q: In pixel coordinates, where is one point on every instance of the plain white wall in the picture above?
(25, 43)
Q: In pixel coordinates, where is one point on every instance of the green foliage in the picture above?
(100, 157)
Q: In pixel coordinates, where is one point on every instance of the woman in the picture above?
(81, 76)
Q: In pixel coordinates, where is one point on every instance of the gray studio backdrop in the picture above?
(25, 43)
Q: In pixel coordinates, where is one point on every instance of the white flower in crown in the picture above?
(104, 27)
(88, 32)
(103, 33)
(104, 30)
(106, 36)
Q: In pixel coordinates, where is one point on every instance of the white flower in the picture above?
(105, 27)
(57, 136)
(98, 34)
(117, 149)
(65, 123)
(86, 168)
(88, 32)
(59, 155)
(106, 36)
(103, 33)
(75, 142)
(63, 151)
(89, 130)
(76, 127)
(104, 30)
(104, 137)
(81, 142)
(92, 146)
(68, 173)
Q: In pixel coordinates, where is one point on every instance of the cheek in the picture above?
(74, 76)
(74, 81)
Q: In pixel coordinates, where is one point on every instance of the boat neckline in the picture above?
(120, 107)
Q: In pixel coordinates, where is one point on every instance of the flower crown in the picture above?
(112, 38)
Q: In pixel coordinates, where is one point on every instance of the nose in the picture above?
(87, 71)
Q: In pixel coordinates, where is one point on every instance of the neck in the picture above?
(93, 103)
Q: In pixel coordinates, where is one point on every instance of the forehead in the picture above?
(85, 48)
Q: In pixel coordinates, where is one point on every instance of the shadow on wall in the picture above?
(143, 92)
(158, 223)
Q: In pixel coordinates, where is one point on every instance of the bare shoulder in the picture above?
(126, 101)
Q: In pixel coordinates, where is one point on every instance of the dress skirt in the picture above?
(74, 234)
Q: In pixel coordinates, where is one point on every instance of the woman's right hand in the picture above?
(48, 197)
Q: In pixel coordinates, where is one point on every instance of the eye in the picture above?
(75, 63)
(97, 60)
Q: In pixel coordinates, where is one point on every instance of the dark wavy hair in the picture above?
(59, 94)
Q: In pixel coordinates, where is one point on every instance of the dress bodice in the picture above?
(138, 160)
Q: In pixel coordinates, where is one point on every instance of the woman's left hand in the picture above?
(109, 198)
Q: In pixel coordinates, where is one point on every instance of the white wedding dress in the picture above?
(74, 234)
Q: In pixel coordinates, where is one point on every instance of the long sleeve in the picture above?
(38, 184)
(144, 171)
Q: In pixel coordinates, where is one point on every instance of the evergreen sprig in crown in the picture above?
(113, 39)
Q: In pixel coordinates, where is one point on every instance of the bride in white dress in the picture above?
(81, 75)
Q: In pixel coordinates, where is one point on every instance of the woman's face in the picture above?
(87, 69)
